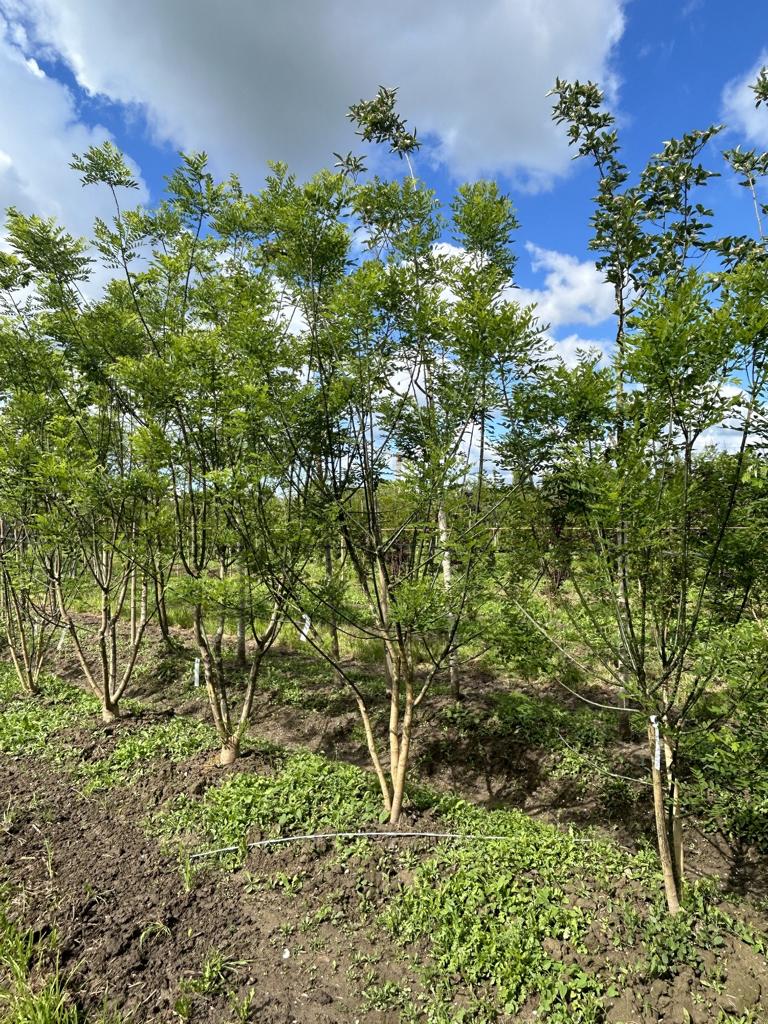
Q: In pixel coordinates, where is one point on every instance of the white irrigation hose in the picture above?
(346, 835)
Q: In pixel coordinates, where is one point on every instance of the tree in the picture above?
(404, 346)
(212, 347)
(616, 450)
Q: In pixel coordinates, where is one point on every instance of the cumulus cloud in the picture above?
(572, 347)
(574, 291)
(39, 131)
(739, 109)
(252, 81)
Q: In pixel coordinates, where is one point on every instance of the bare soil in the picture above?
(131, 935)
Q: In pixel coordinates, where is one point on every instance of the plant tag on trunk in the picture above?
(197, 672)
(657, 747)
(306, 625)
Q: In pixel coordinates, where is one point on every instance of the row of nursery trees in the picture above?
(322, 407)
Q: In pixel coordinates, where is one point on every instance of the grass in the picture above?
(498, 926)
(510, 921)
(27, 723)
(33, 988)
(548, 920)
(299, 681)
(482, 914)
(215, 973)
(535, 722)
(174, 741)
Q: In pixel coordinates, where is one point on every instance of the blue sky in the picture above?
(251, 80)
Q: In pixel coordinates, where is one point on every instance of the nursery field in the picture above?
(364, 657)
(115, 907)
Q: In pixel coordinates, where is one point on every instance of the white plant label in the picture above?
(657, 749)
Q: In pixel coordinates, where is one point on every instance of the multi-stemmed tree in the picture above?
(405, 343)
(68, 461)
(614, 452)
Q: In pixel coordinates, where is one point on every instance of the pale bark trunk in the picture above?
(241, 649)
(623, 725)
(333, 625)
(229, 752)
(375, 760)
(665, 855)
(214, 689)
(675, 819)
(110, 709)
(442, 529)
(133, 602)
(400, 773)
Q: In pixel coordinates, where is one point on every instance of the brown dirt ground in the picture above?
(130, 934)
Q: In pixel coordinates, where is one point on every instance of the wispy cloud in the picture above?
(739, 109)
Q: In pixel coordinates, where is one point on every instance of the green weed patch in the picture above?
(27, 723)
(307, 793)
(33, 988)
(174, 741)
(486, 910)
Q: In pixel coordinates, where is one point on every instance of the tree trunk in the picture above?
(229, 752)
(162, 608)
(109, 710)
(370, 740)
(333, 625)
(133, 603)
(442, 528)
(665, 855)
(624, 725)
(399, 777)
(241, 659)
(675, 822)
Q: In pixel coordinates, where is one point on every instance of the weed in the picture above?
(241, 1005)
(326, 912)
(307, 794)
(213, 974)
(182, 1006)
(189, 870)
(48, 845)
(487, 908)
(27, 723)
(10, 814)
(281, 881)
(174, 741)
(153, 930)
(386, 996)
(33, 989)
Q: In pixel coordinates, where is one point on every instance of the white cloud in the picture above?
(723, 437)
(574, 291)
(39, 131)
(252, 81)
(739, 109)
(570, 348)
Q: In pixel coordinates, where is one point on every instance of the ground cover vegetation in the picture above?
(306, 454)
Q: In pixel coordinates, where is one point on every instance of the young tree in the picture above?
(404, 350)
(617, 449)
(202, 387)
(77, 482)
